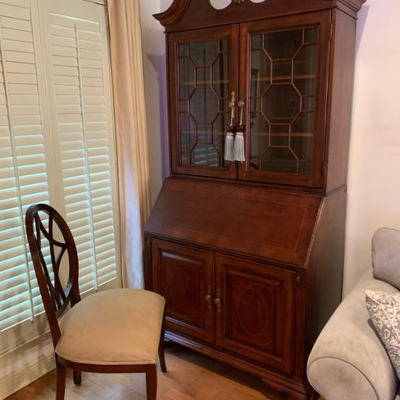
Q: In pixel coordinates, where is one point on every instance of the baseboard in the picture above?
(22, 366)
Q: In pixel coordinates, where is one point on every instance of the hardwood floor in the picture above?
(190, 376)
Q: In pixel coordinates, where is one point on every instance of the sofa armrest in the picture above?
(348, 360)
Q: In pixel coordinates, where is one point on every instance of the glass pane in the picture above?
(306, 87)
(279, 159)
(281, 103)
(305, 63)
(183, 106)
(255, 104)
(282, 71)
(259, 139)
(185, 158)
(204, 92)
(256, 42)
(203, 77)
(204, 53)
(206, 155)
(260, 72)
(221, 76)
(188, 133)
(204, 105)
(283, 91)
(224, 105)
(283, 44)
(280, 135)
(183, 50)
(224, 45)
(220, 128)
(311, 35)
(186, 78)
(204, 134)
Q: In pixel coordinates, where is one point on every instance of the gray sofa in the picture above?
(348, 361)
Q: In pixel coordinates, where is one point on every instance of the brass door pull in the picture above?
(232, 106)
(241, 105)
(208, 297)
(218, 301)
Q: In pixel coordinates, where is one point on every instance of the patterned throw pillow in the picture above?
(384, 310)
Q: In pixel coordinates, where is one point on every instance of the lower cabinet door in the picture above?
(184, 276)
(255, 318)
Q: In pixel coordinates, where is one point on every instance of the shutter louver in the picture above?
(23, 178)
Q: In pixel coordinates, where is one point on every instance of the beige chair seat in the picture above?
(114, 327)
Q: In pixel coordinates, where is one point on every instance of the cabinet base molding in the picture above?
(294, 388)
(307, 391)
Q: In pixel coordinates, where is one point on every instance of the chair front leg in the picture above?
(151, 382)
(77, 375)
(161, 350)
(60, 391)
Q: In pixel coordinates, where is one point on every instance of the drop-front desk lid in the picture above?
(261, 222)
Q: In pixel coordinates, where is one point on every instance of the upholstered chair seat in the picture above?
(115, 327)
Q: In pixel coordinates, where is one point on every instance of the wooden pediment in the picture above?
(193, 14)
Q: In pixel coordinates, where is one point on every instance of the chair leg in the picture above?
(77, 377)
(161, 352)
(151, 382)
(60, 392)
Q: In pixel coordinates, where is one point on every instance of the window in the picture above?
(56, 146)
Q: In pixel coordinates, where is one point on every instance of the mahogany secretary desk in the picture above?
(249, 255)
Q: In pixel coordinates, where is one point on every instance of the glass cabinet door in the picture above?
(286, 99)
(203, 75)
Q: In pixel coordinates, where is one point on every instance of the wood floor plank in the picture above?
(190, 376)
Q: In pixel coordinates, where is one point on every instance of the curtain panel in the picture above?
(131, 127)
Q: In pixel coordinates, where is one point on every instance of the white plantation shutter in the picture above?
(78, 87)
(56, 146)
(23, 177)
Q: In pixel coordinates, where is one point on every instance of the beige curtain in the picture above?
(127, 65)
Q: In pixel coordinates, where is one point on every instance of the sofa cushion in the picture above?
(386, 256)
(384, 310)
(114, 327)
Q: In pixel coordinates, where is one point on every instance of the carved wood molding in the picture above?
(179, 7)
(353, 4)
(177, 10)
(174, 13)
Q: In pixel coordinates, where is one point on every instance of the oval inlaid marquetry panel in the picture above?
(252, 312)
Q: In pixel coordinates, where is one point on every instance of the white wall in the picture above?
(153, 39)
(374, 174)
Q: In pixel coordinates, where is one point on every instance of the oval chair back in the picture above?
(47, 262)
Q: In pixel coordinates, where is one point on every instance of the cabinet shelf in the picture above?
(257, 134)
(284, 78)
(204, 83)
(293, 134)
(275, 78)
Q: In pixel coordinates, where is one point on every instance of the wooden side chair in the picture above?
(115, 331)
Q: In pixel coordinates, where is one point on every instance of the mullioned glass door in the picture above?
(284, 78)
(203, 74)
